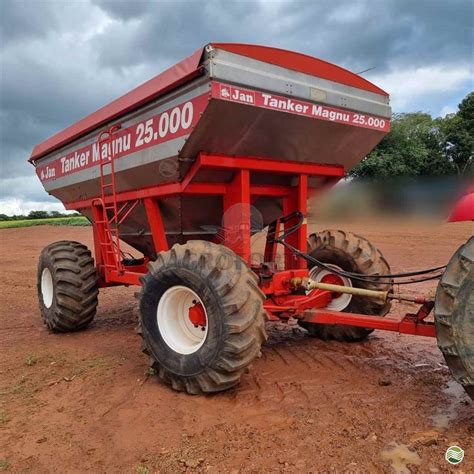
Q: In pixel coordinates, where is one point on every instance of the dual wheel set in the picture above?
(202, 320)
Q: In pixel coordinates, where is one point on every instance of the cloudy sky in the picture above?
(61, 60)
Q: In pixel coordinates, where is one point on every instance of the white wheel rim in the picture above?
(47, 287)
(174, 323)
(340, 302)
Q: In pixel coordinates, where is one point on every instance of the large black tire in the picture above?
(352, 253)
(233, 302)
(67, 286)
(454, 315)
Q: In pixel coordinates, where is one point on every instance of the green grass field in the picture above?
(75, 221)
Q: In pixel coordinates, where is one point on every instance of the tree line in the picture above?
(37, 215)
(419, 145)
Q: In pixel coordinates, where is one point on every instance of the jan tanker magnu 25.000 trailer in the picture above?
(186, 168)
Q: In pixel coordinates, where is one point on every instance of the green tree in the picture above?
(458, 143)
(38, 215)
(417, 145)
(412, 148)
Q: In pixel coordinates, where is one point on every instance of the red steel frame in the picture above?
(282, 302)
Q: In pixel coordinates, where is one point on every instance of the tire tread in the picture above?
(244, 315)
(368, 259)
(450, 319)
(76, 287)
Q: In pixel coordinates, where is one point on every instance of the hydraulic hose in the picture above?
(371, 278)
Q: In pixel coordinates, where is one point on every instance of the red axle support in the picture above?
(297, 201)
(410, 324)
(279, 283)
(237, 215)
(156, 225)
(237, 195)
(235, 163)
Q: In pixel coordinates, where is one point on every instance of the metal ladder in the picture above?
(109, 236)
(110, 214)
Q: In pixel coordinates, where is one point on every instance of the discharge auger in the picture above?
(186, 168)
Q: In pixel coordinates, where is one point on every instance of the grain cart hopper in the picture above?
(185, 169)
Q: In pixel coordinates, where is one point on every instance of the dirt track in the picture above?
(70, 403)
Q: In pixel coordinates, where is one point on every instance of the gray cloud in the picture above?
(124, 10)
(19, 24)
(353, 33)
(170, 30)
(63, 60)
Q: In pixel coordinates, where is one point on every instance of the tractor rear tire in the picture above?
(352, 253)
(226, 290)
(454, 315)
(67, 286)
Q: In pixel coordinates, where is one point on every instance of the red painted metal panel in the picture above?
(169, 189)
(167, 80)
(464, 209)
(224, 162)
(281, 300)
(297, 201)
(156, 225)
(279, 103)
(138, 136)
(302, 63)
(97, 231)
(125, 278)
(269, 165)
(186, 70)
(237, 214)
(406, 325)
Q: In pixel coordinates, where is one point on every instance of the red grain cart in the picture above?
(185, 169)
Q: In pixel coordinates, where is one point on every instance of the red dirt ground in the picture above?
(83, 401)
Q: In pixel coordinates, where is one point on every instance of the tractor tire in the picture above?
(352, 253)
(454, 316)
(67, 286)
(209, 355)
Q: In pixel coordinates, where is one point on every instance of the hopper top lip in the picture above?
(302, 63)
(189, 68)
